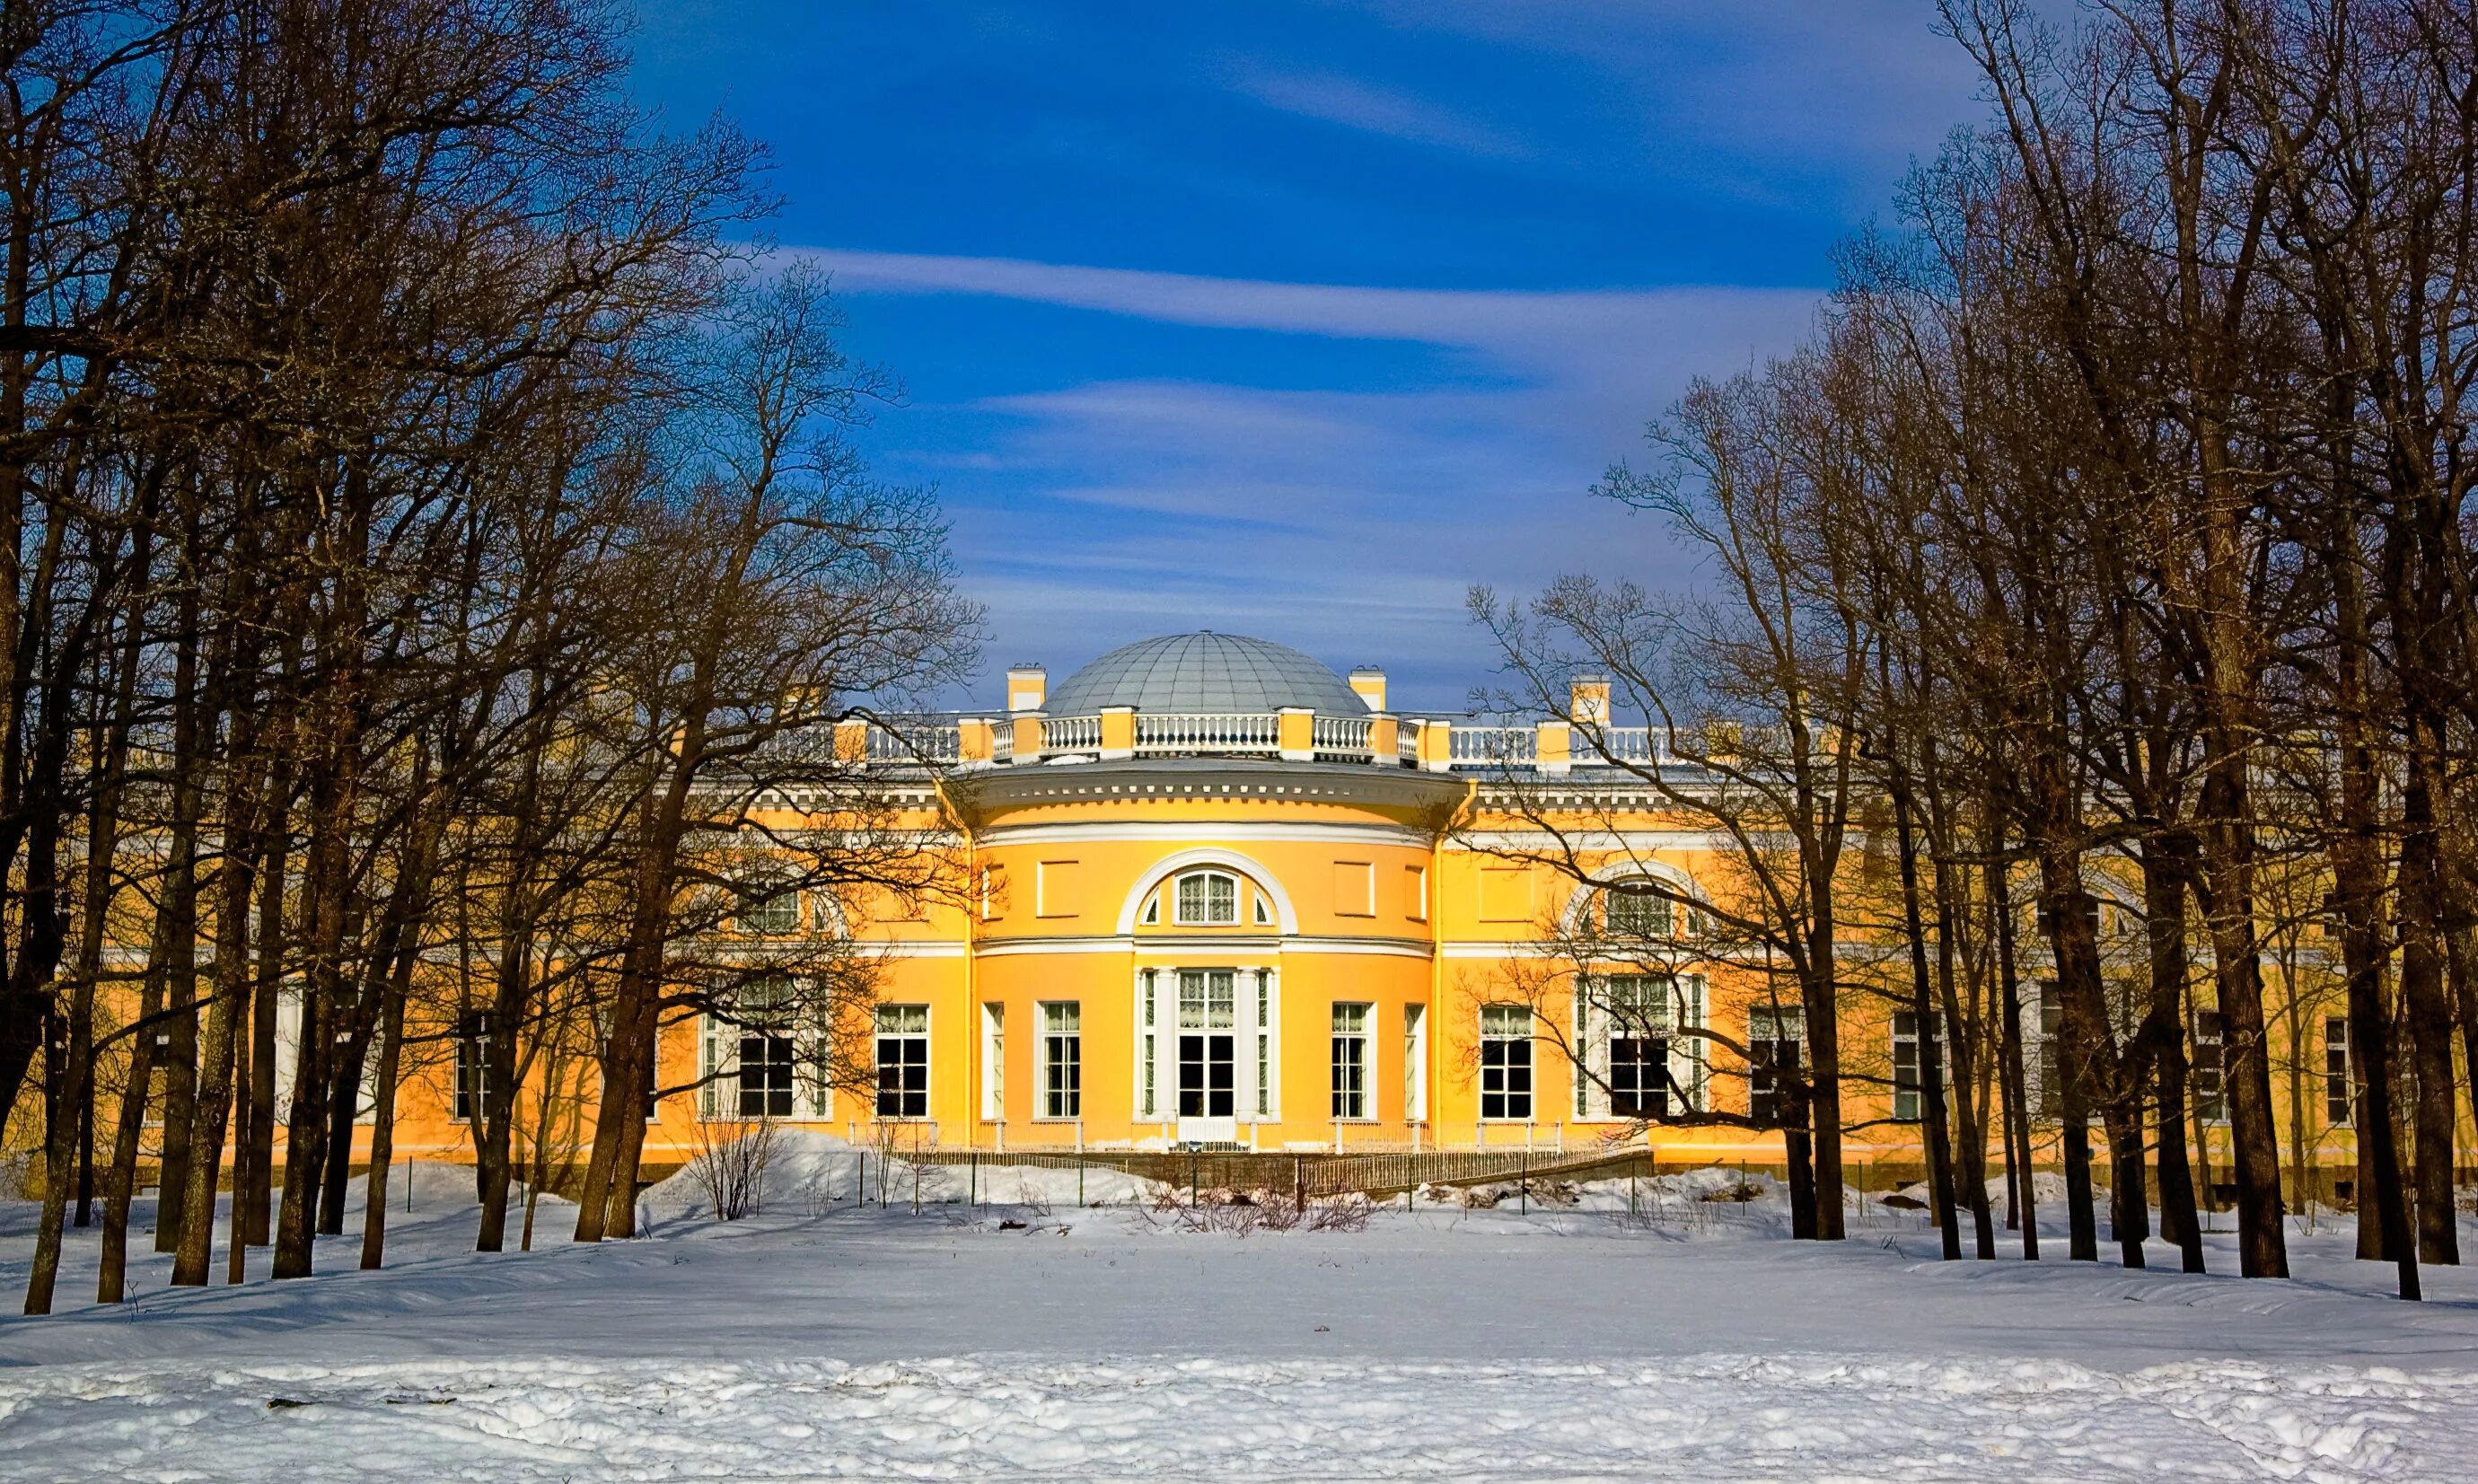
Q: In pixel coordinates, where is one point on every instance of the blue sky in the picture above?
(1297, 319)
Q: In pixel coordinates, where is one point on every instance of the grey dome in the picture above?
(1204, 672)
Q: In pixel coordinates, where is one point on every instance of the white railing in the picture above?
(1617, 744)
(1497, 745)
(1208, 732)
(909, 743)
(1070, 734)
(1002, 742)
(1341, 734)
(1406, 743)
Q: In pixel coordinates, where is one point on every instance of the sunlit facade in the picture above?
(1221, 896)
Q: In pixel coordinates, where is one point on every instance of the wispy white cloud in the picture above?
(1535, 332)
(1354, 103)
(1346, 520)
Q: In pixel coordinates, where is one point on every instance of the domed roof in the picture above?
(1204, 672)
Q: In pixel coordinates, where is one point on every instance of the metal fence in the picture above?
(1202, 1173)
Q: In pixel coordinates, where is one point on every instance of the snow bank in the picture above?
(2047, 1188)
(1692, 1417)
(1714, 1185)
(808, 1172)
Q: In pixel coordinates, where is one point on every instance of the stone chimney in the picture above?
(1588, 701)
(1367, 683)
(1027, 687)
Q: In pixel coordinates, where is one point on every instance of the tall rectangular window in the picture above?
(1351, 1060)
(766, 1055)
(472, 1066)
(2051, 1011)
(1505, 1062)
(903, 1061)
(1150, 1102)
(1208, 1011)
(1640, 1023)
(2211, 1077)
(2335, 1071)
(1906, 1063)
(765, 1071)
(1415, 1063)
(1264, 1043)
(994, 1062)
(1775, 1046)
(1062, 1060)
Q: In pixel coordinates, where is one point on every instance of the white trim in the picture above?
(1278, 834)
(1570, 918)
(1188, 947)
(993, 1060)
(1483, 841)
(1508, 948)
(1371, 1036)
(1415, 1061)
(1208, 875)
(1233, 860)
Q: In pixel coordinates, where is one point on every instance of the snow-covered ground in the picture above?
(1638, 1333)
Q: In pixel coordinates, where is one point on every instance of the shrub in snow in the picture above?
(730, 1168)
(1238, 1212)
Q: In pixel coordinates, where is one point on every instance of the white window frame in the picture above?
(753, 917)
(993, 1060)
(467, 1105)
(1053, 1103)
(1765, 1024)
(718, 1039)
(1529, 1040)
(1206, 905)
(1917, 1089)
(1684, 1006)
(2338, 1072)
(1614, 898)
(1360, 1035)
(1255, 1016)
(2217, 1068)
(1265, 1064)
(880, 1035)
(1415, 1063)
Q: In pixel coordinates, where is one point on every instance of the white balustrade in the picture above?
(1207, 732)
(1497, 745)
(1070, 734)
(1616, 745)
(1341, 734)
(915, 741)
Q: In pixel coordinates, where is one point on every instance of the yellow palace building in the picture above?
(1221, 896)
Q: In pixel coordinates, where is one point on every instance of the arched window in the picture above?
(769, 904)
(1630, 912)
(1208, 898)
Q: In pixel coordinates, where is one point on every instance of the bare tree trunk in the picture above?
(2022, 1175)
(2429, 1018)
(95, 902)
(120, 1176)
(195, 1248)
(1969, 1053)
(2164, 901)
(374, 1205)
(2262, 1246)
(1932, 1102)
(254, 1187)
